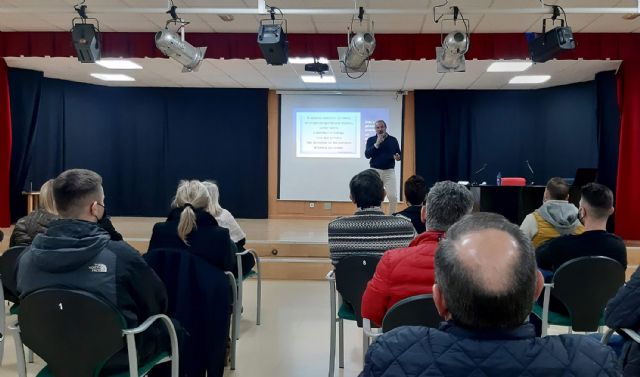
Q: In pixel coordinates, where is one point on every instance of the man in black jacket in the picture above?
(486, 282)
(76, 253)
(384, 150)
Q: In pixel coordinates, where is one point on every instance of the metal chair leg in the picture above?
(239, 283)
(234, 317)
(332, 328)
(341, 343)
(20, 362)
(30, 356)
(365, 346)
(259, 289)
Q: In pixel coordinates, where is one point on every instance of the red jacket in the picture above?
(401, 273)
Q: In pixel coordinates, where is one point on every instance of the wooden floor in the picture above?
(290, 249)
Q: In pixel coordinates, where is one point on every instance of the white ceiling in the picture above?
(56, 15)
(40, 16)
(382, 75)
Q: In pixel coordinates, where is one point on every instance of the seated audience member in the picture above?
(369, 231)
(226, 220)
(486, 283)
(415, 190)
(75, 253)
(191, 228)
(556, 216)
(623, 312)
(410, 271)
(596, 205)
(36, 222)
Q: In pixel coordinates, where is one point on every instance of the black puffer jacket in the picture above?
(623, 311)
(28, 227)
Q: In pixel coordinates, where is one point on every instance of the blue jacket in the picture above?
(453, 351)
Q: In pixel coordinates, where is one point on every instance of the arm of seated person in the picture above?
(623, 311)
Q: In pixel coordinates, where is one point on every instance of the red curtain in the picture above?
(389, 46)
(5, 145)
(627, 197)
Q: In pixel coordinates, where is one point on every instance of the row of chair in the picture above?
(584, 298)
(59, 325)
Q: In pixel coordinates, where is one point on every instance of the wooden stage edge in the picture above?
(290, 249)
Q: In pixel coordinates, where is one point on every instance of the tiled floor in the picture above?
(292, 341)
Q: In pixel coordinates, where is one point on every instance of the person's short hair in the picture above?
(382, 122)
(447, 202)
(599, 198)
(469, 302)
(415, 189)
(74, 189)
(45, 199)
(367, 189)
(557, 188)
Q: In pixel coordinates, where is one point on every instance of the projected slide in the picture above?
(322, 141)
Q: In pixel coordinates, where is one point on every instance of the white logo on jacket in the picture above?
(98, 267)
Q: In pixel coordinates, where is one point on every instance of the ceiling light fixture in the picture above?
(360, 46)
(509, 66)
(317, 79)
(546, 46)
(450, 57)
(118, 64)
(298, 60)
(112, 77)
(174, 46)
(85, 36)
(272, 38)
(530, 79)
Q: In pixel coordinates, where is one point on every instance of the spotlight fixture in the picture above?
(360, 46)
(174, 46)
(450, 57)
(85, 36)
(272, 38)
(549, 44)
(317, 66)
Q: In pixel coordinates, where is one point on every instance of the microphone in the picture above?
(484, 166)
(530, 169)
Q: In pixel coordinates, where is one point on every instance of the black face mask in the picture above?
(581, 217)
(104, 213)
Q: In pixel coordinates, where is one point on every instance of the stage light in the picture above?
(174, 46)
(272, 38)
(509, 66)
(531, 79)
(85, 36)
(450, 57)
(360, 46)
(549, 44)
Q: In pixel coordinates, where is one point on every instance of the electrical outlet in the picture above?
(312, 205)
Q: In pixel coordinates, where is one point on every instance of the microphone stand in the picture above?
(473, 182)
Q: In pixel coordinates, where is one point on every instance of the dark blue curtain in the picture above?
(142, 141)
(25, 88)
(556, 129)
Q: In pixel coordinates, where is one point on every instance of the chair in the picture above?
(513, 181)
(75, 332)
(8, 262)
(418, 310)
(632, 334)
(349, 278)
(242, 276)
(583, 285)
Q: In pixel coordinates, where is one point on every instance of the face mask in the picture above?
(104, 213)
(581, 215)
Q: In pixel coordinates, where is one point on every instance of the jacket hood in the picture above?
(67, 245)
(561, 214)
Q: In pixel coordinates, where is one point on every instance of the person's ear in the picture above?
(423, 214)
(351, 198)
(441, 305)
(611, 210)
(539, 285)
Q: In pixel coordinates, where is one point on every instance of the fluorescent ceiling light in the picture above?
(509, 66)
(112, 77)
(298, 60)
(533, 79)
(118, 64)
(317, 79)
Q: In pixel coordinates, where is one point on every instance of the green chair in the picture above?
(75, 333)
(584, 285)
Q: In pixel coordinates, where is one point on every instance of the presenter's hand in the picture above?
(379, 140)
(397, 156)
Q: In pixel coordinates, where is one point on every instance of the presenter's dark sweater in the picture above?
(382, 157)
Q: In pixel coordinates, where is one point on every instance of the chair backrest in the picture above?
(352, 275)
(74, 332)
(8, 264)
(584, 285)
(513, 181)
(417, 310)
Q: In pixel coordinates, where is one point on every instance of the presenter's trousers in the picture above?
(389, 179)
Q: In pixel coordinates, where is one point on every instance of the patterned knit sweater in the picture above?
(368, 232)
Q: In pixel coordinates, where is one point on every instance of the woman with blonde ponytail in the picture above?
(190, 227)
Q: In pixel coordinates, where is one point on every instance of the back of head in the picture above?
(190, 196)
(46, 200)
(415, 189)
(367, 189)
(486, 271)
(75, 190)
(214, 198)
(557, 189)
(599, 200)
(447, 202)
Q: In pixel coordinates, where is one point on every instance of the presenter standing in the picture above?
(383, 151)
